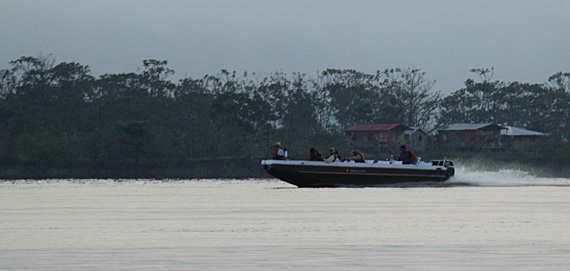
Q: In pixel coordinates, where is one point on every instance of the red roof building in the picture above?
(377, 137)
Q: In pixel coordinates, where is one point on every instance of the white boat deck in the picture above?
(367, 164)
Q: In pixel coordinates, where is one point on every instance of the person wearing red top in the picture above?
(277, 152)
(406, 156)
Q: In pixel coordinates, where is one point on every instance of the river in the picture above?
(503, 220)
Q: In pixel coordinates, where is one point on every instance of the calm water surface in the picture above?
(506, 220)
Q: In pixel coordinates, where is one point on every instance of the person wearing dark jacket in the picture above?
(406, 156)
(315, 155)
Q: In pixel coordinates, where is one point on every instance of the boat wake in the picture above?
(471, 176)
(466, 176)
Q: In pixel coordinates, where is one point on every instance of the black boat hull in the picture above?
(307, 175)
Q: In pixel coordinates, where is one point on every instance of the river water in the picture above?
(504, 220)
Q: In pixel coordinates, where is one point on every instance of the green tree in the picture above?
(476, 103)
(45, 101)
(299, 120)
(136, 139)
(407, 97)
(560, 81)
(353, 98)
(192, 126)
(154, 78)
(532, 106)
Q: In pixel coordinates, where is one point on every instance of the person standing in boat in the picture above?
(315, 155)
(357, 156)
(333, 156)
(278, 152)
(406, 156)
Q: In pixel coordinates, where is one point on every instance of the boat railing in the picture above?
(382, 163)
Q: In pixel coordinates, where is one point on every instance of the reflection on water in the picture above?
(505, 220)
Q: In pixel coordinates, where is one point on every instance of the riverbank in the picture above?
(240, 168)
(235, 168)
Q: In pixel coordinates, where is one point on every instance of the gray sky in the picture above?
(525, 41)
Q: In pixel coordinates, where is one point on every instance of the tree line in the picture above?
(59, 112)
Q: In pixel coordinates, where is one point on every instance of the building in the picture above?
(471, 136)
(378, 137)
(416, 138)
(515, 137)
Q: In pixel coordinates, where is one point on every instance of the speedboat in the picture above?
(349, 173)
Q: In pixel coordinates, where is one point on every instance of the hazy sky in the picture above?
(524, 40)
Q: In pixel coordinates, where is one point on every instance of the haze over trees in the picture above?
(54, 113)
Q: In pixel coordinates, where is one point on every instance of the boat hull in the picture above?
(319, 174)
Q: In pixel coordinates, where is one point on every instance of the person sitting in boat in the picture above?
(333, 156)
(406, 156)
(357, 156)
(315, 155)
(278, 152)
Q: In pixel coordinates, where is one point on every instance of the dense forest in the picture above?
(58, 120)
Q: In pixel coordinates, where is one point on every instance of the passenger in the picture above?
(277, 152)
(315, 155)
(333, 156)
(406, 156)
(357, 156)
(337, 154)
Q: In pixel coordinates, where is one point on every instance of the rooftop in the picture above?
(467, 126)
(515, 131)
(375, 127)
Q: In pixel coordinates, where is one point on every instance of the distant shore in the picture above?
(230, 168)
(199, 169)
